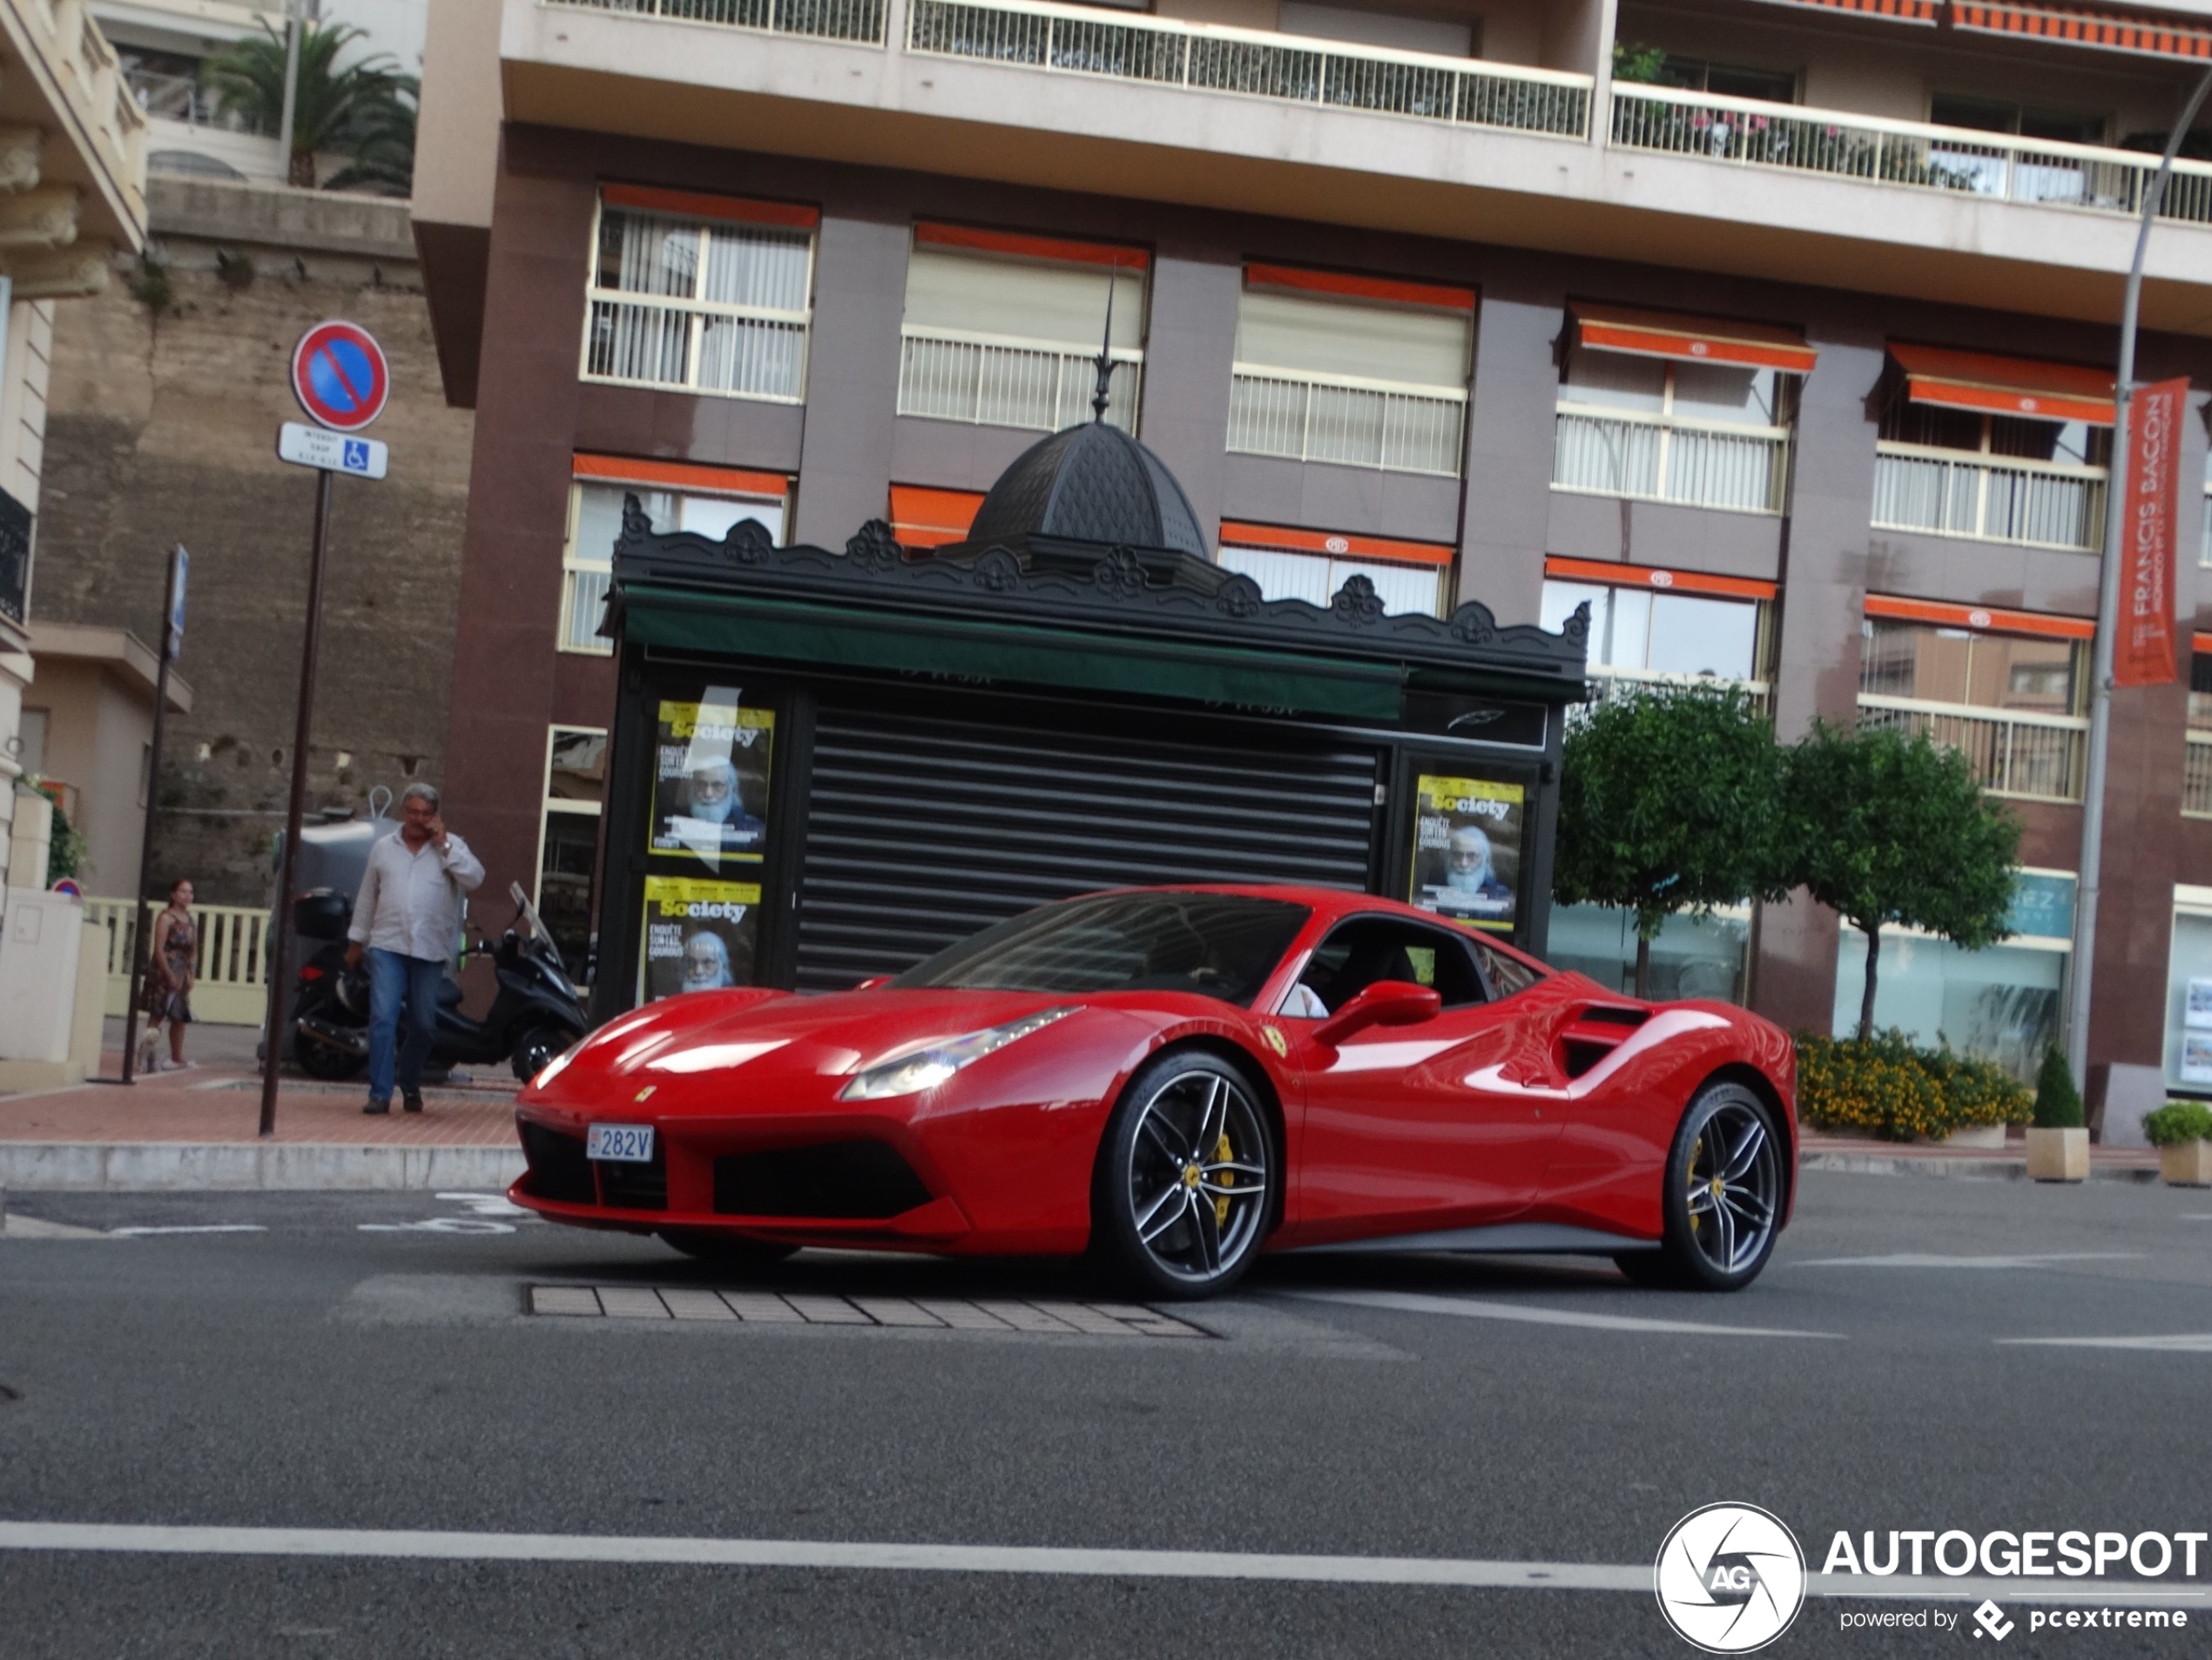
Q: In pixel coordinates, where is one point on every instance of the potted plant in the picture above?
(2181, 1130)
(2058, 1143)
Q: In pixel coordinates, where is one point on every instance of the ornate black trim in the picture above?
(874, 571)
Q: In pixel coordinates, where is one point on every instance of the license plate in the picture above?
(619, 1144)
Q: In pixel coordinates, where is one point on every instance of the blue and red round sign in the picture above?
(339, 377)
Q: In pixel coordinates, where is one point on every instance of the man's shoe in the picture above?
(375, 1106)
(411, 1099)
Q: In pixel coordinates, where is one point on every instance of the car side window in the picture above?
(1507, 974)
(1364, 949)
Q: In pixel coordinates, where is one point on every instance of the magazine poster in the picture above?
(2199, 1014)
(710, 779)
(2196, 1057)
(700, 935)
(1467, 849)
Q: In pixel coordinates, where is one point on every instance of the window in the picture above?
(1693, 957)
(921, 518)
(707, 501)
(1637, 634)
(1366, 949)
(1003, 330)
(1314, 565)
(32, 757)
(2196, 762)
(568, 850)
(702, 292)
(1440, 36)
(2204, 553)
(1728, 80)
(1660, 408)
(1997, 115)
(2010, 701)
(1358, 371)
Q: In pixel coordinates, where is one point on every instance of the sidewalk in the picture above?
(199, 1129)
(1865, 1156)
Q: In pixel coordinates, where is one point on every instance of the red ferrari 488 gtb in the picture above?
(1177, 1079)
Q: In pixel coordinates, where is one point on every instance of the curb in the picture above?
(1985, 1170)
(153, 1167)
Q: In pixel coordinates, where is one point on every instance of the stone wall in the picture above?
(162, 428)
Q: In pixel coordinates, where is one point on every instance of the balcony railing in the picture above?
(1700, 464)
(233, 985)
(1001, 381)
(1343, 419)
(1607, 683)
(851, 20)
(583, 604)
(1290, 69)
(1908, 153)
(2196, 776)
(2013, 752)
(1987, 498)
(739, 352)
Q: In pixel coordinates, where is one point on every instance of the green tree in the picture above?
(383, 145)
(335, 108)
(2058, 1103)
(1885, 828)
(1670, 802)
(1633, 61)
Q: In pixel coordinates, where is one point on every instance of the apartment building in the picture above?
(1778, 331)
(72, 196)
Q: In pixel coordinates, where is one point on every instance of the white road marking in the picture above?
(372, 1542)
(2179, 1343)
(487, 1205)
(1469, 1308)
(212, 1227)
(1911, 1259)
(438, 1224)
(30, 1227)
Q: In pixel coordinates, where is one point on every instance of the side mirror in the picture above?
(1386, 1002)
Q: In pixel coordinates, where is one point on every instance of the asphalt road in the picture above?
(347, 1366)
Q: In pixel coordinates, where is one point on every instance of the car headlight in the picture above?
(926, 1069)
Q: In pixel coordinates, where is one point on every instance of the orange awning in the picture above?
(2113, 31)
(1337, 545)
(1617, 575)
(1920, 11)
(2009, 386)
(1979, 618)
(921, 518)
(678, 475)
(1702, 340)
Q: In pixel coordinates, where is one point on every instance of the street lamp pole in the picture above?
(2093, 806)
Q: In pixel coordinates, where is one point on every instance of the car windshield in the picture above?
(1217, 945)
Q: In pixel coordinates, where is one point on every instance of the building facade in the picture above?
(1779, 333)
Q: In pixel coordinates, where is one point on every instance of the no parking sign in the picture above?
(339, 377)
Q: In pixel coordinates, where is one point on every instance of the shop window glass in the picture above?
(706, 304)
(2000, 1004)
(575, 777)
(2188, 997)
(1007, 339)
(1315, 579)
(595, 525)
(1694, 956)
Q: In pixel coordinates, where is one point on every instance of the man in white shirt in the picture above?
(408, 916)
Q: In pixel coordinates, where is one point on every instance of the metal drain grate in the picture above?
(765, 1308)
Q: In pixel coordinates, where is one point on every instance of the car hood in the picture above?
(784, 1037)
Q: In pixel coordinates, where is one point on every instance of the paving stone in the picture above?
(1024, 1318)
(759, 1308)
(963, 1317)
(697, 1306)
(828, 1310)
(1150, 1323)
(632, 1302)
(1085, 1319)
(894, 1311)
(563, 1300)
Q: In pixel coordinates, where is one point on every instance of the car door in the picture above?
(1396, 1138)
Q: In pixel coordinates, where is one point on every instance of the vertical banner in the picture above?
(2143, 647)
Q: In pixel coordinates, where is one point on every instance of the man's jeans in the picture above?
(391, 979)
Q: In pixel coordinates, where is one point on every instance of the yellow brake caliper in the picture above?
(1228, 1179)
(1697, 1221)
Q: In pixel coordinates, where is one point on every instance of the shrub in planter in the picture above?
(2058, 1103)
(2181, 1130)
(2058, 1145)
(1890, 1087)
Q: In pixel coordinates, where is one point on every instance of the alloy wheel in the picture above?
(1198, 1175)
(1735, 1182)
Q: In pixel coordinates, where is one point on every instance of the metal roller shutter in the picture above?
(920, 832)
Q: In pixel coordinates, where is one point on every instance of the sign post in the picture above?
(342, 380)
(172, 641)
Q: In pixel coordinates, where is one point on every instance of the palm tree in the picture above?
(382, 145)
(331, 107)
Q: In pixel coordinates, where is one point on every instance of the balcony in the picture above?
(1001, 381)
(2014, 753)
(1609, 683)
(1904, 155)
(1350, 421)
(851, 20)
(1607, 452)
(2038, 504)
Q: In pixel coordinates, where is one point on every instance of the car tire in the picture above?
(536, 1048)
(1185, 1189)
(1724, 1195)
(729, 1251)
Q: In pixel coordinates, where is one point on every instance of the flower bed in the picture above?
(1892, 1088)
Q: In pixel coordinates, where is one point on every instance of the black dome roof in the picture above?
(1088, 484)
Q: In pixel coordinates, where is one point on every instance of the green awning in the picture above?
(792, 631)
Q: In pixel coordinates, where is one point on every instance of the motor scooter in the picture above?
(536, 1012)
